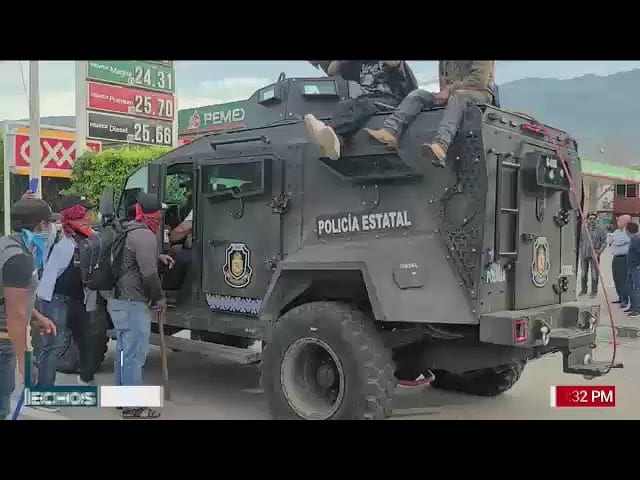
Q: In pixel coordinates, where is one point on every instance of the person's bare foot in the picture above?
(436, 153)
(384, 136)
(324, 136)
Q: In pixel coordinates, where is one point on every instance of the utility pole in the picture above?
(35, 150)
(81, 107)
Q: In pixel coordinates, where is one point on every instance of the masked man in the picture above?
(462, 83)
(138, 291)
(22, 255)
(381, 81)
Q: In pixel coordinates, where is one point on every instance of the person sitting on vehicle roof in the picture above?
(381, 81)
(462, 83)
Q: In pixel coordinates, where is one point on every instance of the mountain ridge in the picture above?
(601, 112)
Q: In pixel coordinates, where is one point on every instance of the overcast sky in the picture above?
(207, 82)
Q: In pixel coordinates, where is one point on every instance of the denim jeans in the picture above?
(635, 293)
(419, 100)
(132, 323)
(51, 346)
(7, 376)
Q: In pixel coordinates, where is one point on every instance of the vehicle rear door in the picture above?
(241, 235)
(532, 194)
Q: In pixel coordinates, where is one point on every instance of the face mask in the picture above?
(36, 243)
(53, 232)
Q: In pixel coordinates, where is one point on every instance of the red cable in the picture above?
(596, 259)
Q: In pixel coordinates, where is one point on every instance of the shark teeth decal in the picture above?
(228, 303)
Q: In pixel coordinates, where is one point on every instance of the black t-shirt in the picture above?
(376, 78)
(17, 271)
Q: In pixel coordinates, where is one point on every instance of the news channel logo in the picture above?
(61, 396)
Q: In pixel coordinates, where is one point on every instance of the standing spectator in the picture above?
(21, 255)
(138, 288)
(619, 244)
(633, 258)
(599, 239)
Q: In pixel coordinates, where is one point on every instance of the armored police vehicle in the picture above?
(375, 268)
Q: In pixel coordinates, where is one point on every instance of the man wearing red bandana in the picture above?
(138, 291)
(60, 295)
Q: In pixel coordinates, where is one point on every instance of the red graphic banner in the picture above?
(130, 101)
(58, 154)
(583, 396)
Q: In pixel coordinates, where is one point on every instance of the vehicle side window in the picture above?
(240, 178)
(137, 182)
(175, 191)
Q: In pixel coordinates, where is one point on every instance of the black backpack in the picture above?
(101, 256)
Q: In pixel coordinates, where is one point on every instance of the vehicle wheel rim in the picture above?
(312, 379)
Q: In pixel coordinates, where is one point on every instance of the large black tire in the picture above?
(362, 381)
(488, 382)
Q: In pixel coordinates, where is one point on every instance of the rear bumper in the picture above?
(569, 328)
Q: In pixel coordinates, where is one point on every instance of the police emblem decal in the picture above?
(540, 265)
(237, 268)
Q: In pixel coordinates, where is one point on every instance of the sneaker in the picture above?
(324, 136)
(383, 136)
(436, 153)
(634, 315)
(43, 408)
(584, 292)
(593, 294)
(83, 382)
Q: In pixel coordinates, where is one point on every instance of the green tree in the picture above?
(93, 172)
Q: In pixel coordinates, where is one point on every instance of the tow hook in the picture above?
(545, 333)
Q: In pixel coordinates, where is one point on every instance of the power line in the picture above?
(24, 86)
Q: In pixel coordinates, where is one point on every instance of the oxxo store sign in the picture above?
(58, 146)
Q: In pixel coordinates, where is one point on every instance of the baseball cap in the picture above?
(28, 212)
(149, 203)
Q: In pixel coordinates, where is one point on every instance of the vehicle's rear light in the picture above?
(535, 129)
(521, 330)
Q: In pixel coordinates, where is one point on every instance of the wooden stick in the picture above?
(163, 355)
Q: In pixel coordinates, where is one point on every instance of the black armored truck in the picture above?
(355, 274)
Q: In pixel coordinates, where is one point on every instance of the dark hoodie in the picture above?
(139, 280)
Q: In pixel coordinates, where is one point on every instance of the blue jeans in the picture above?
(132, 323)
(635, 292)
(7, 376)
(51, 346)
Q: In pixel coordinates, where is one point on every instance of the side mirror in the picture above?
(107, 202)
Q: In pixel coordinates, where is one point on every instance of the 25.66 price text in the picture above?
(152, 134)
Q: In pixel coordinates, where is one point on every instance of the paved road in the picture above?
(205, 389)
